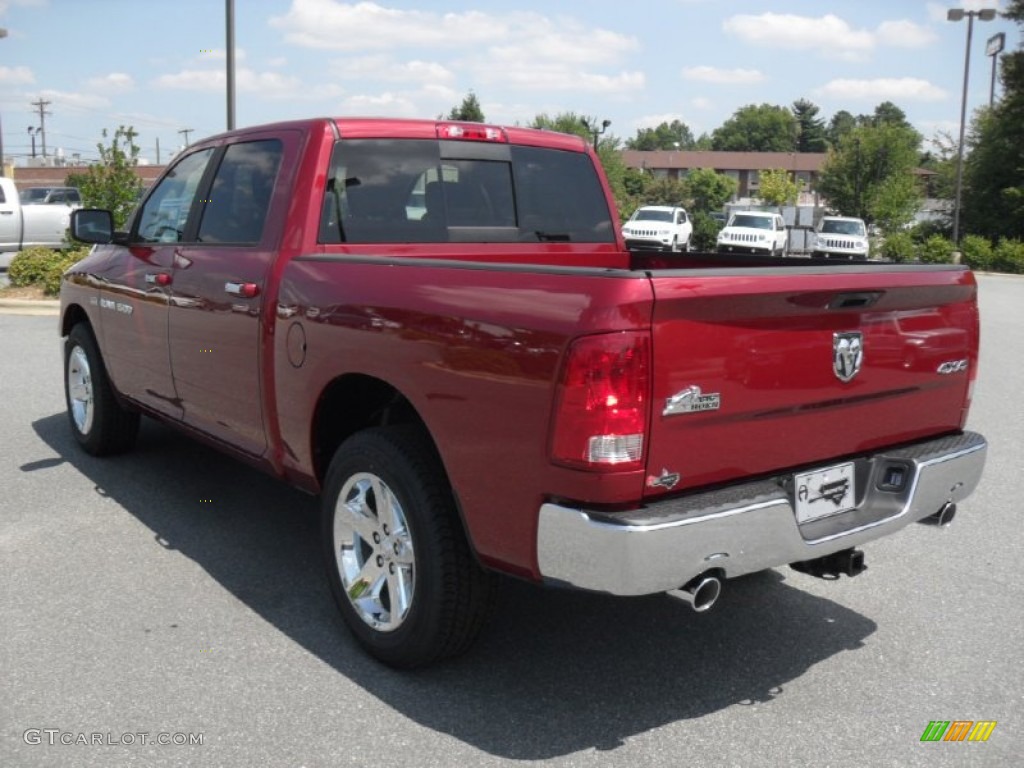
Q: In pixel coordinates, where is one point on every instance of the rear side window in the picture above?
(416, 191)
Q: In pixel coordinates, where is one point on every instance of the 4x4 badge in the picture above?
(847, 354)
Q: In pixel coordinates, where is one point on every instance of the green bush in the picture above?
(899, 247)
(43, 267)
(936, 250)
(1008, 256)
(705, 232)
(977, 252)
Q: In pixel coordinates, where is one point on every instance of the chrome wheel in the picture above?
(374, 552)
(80, 395)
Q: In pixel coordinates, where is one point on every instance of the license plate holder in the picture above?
(824, 492)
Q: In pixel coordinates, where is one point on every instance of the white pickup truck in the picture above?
(24, 226)
(659, 227)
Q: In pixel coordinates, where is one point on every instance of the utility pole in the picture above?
(229, 14)
(185, 132)
(42, 105)
(158, 150)
(130, 135)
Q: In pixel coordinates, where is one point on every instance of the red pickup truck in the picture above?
(437, 327)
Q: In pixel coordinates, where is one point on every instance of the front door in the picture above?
(135, 289)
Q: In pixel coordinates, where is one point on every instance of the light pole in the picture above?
(957, 14)
(597, 133)
(32, 135)
(3, 170)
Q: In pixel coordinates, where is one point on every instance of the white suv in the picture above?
(754, 232)
(660, 227)
(841, 237)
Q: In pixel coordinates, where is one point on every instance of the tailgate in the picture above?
(758, 370)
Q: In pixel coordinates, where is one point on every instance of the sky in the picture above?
(159, 65)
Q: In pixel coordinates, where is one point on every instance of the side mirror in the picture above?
(92, 225)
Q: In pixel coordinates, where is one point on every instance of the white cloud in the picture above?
(386, 69)
(269, 84)
(382, 104)
(521, 49)
(882, 89)
(706, 74)
(16, 76)
(828, 35)
(114, 82)
(5, 5)
(702, 103)
(905, 34)
(64, 99)
(367, 26)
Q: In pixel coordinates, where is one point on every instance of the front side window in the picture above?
(240, 195)
(163, 217)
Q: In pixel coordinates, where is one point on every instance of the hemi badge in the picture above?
(690, 400)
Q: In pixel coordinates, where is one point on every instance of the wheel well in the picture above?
(352, 403)
(72, 317)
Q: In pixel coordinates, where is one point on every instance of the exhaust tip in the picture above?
(701, 593)
(943, 517)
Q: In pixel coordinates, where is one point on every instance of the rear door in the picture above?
(757, 370)
(219, 289)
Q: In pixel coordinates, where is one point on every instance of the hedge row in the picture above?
(43, 267)
(977, 252)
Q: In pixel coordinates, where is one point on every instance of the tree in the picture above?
(993, 195)
(709, 190)
(812, 136)
(888, 113)
(840, 125)
(112, 182)
(469, 110)
(674, 135)
(777, 187)
(870, 175)
(753, 128)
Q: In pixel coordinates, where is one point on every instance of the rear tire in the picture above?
(100, 424)
(398, 561)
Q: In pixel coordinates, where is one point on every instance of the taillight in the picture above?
(470, 131)
(602, 399)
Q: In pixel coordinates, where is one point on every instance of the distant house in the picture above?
(744, 167)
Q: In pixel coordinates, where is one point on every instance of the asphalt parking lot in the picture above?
(176, 592)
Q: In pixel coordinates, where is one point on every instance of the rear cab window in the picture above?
(437, 191)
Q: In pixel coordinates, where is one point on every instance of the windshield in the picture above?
(752, 222)
(648, 214)
(836, 227)
(33, 195)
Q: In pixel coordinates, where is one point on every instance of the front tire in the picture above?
(398, 562)
(100, 424)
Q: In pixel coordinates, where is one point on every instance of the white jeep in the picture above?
(841, 237)
(754, 232)
(659, 227)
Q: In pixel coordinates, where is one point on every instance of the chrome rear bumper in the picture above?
(748, 527)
